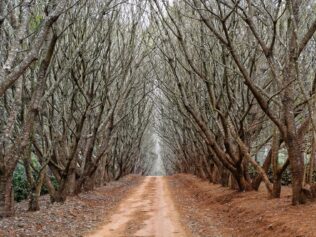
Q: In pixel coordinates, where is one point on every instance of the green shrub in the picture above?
(20, 184)
(286, 176)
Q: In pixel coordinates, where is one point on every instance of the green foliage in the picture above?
(285, 180)
(20, 184)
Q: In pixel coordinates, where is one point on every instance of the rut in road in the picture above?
(148, 211)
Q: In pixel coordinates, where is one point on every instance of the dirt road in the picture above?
(177, 206)
(148, 211)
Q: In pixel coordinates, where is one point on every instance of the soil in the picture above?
(178, 206)
(212, 210)
(77, 216)
(149, 211)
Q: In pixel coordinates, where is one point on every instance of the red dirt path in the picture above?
(149, 211)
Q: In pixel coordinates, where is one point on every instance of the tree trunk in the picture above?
(36, 191)
(276, 191)
(34, 199)
(50, 187)
(89, 183)
(297, 171)
(258, 179)
(239, 175)
(67, 187)
(310, 173)
(277, 173)
(100, 179)
(224, 177)
(6, 195)
(293, 141)
(243, 184)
